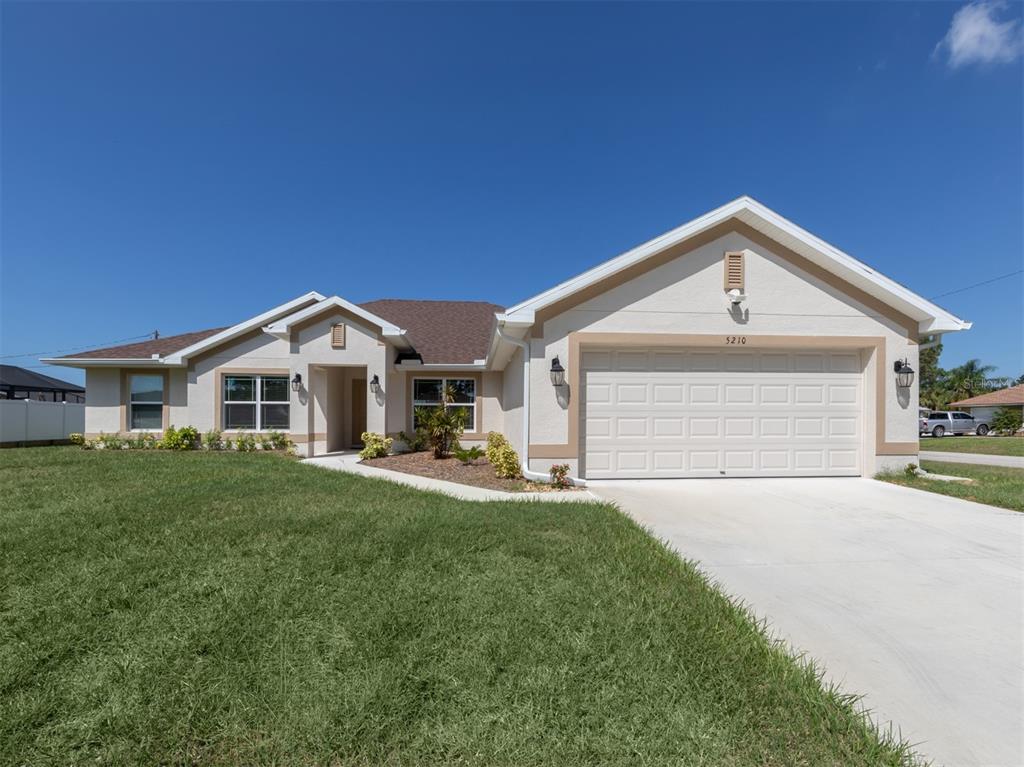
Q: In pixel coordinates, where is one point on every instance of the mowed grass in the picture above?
(980, 445)
(994, 485)
(246, 609)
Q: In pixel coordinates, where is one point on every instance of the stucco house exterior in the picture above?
(735, 345)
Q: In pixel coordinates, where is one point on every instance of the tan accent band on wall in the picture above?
(126, 374)
(875, 344)
(880, 308)
(478, 410)
(218, 393)
(733, 270)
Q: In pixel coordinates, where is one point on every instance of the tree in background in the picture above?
(969, 380)
(931, 390)
(939, 387)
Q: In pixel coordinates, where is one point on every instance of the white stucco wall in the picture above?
(103, 400)
(686, 296)
(512, 402)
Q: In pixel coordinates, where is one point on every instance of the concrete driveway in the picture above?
(913, 599)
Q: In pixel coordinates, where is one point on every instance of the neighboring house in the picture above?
(735, 345)
(19, 383)
(984, 406)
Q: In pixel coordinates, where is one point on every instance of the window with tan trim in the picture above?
(258, 402)
(338, 336)
(146, 402)
(734, 270)
(426, 393)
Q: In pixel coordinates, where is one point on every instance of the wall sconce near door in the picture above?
(557, 373)
(904, 374)
(297, 382)
(375, 384)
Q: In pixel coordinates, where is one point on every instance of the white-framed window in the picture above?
(145, 402)
(426, 393)
(256, 402)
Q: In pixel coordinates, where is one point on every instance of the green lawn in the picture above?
(244, 608)
(994, 485)
(981, 445)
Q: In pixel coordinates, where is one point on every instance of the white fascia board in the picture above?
(282, 327)
(181, 356)
(751, 211)
(100, 362)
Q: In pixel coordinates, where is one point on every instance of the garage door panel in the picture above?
(668, 413)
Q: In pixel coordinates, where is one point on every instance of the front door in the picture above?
(358, 421)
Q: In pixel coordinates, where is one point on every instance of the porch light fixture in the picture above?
(297, 382)
(904, 374)
(557, 373)
(375, 384)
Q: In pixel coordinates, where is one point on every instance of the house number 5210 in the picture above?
(735, 339)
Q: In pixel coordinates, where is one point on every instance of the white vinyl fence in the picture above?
(26, 420)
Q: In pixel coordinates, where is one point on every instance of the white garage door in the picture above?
(700, 413)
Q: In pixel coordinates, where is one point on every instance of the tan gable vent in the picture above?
(734, 270)
(338, 336)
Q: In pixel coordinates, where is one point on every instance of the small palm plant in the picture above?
(443, 424)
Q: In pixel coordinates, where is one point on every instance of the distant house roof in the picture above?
(1011, 396)
(13, 377)
(146, 349)
(456, 332)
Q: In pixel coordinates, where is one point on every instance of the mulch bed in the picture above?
(479, 473)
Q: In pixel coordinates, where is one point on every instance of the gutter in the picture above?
(525, 459)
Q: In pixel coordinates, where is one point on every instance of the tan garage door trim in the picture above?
(875, 344)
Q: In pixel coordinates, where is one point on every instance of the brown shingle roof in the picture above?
(1012, 396)
(146, 349)
(441, 331)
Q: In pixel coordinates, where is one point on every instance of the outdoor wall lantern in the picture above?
(557, 373)
(904, 374)
(297, 382)
(375, 384)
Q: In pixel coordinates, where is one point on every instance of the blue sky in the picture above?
(177, 166)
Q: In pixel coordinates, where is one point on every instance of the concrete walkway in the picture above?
(915, 600)
(1012, 461)
(349, 462)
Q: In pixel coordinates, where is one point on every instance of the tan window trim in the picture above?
(126, 374)
(478, 410)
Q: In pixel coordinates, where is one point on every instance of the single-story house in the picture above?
(735, 345)
(21, 383)
(984, 406)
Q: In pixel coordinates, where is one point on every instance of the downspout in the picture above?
(524, 460)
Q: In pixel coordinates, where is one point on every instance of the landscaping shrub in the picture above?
(375, 445)
(76, 439)
(184, 438)
(506, 462)
(467, 456)
(245, 442)
(109, 442)
(560, 475)
(443, 425)
(213, 440)
(495, 440)
(910, 470)
(277, 440)
(416, 442)
(145, 441)
(1006, 421)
